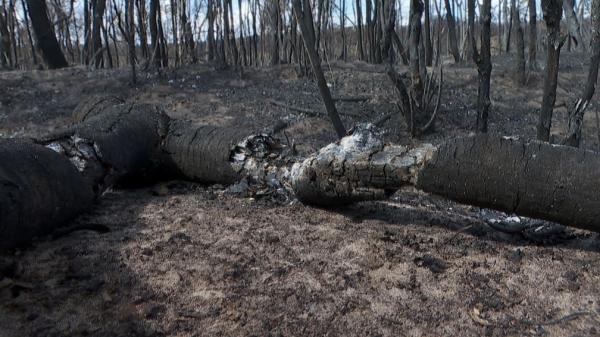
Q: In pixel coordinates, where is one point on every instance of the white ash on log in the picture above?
(47, 182)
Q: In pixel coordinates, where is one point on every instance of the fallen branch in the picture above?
(309, 112)
(351, 98)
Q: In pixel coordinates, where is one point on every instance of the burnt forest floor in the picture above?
(183, 259)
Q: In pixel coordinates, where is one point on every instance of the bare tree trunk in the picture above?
(141, 7)
(359, 38)
(427, 36)
(44, 33)
(482, 60)
(98, 7)
(552, 11)
(573, 23)
(5, 42)
(573, 137)
(158, 53)
(452, 32)
(211, 30)
(175, 30)
(242, 38)
(532, 35)
(29, 38)
(519, 45)
(129, 8)
(508, 18)
(370, 34)
(304, 17)
(274, 29)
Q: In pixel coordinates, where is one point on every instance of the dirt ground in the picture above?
(182, 259)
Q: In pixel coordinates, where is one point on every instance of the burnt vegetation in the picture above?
(302, 167)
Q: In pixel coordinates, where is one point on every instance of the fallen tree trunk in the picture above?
(48, 181)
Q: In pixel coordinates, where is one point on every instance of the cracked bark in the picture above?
(47, 182)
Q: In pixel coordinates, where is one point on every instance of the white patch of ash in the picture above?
(77, 149)
(364, 141)
(56, 147)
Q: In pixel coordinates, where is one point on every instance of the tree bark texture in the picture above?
(48, 181)
(573, 137)
(552, 11)
(44, 34)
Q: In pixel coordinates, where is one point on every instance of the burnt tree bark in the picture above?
(5, 42)
(532, 35)
(452, 39)
(129, 7)
(157, 55)
(482, 60)
(210, 37)
(573, 137)
(44, 34)
(98, 7)
(519, 45)
(572, 23)
(50, 180)
(552, 11)
(359, 38)
(427, 36)
(304, 18)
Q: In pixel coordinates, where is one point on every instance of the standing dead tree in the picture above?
(98, 7)
(482, 60)
(532, 35)
(129, 9)
(452, 38)
(519, 45)
(573, 24)
(573, 137)
(303, 13)
(6, 57)
(44, 34)
(48, 181)
(552, 11)
(417, 99)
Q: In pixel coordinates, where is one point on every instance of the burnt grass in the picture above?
(184, 259)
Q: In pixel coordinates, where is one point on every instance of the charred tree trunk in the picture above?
(44, 34)
(482, 60)
(452, 39)
(304, 17)
(242, 38)
(427, 36)
(520, 46)
(359, 38)
(157, 58)
(508, 17)
(29, 38)
(5, 42)
(532, 35)
(552, 11)
(274, 29)
(98, 15)
(573, 24)
(210, 39)
(48, 181)
(141, 7)
(129, 7)
(573, 137)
